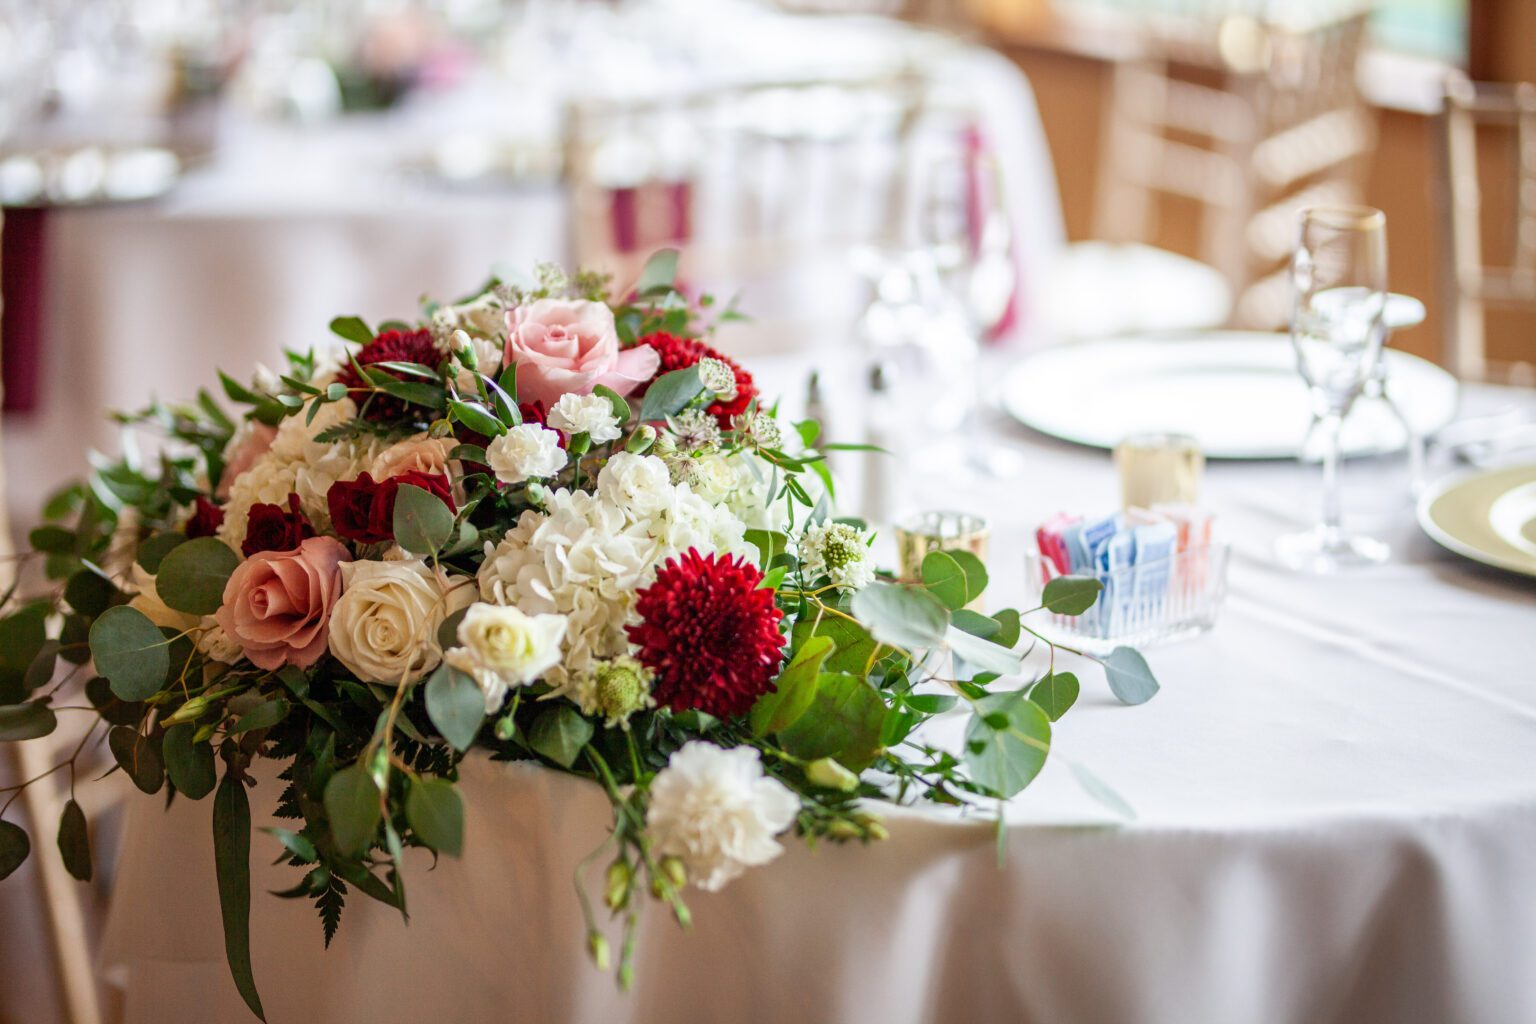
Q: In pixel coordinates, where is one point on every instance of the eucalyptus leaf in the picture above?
(14, 848)
(192, 577)
(262, 716)
(901, 616)
(1130, 677)
(620, 407)
(1006, 742)
(981, 655)
(190, 765)
(854, 644)
(130, 651)
(436, 813)
(75, 842)
(153, 550)
(659, 273)
(977, 624)
(560, 734)
(670, 393)
(945, 579)
(476, 417)
(352, 804)
(232, 865)
(1071, 595)
(794, 691)
(22, 635)
(1055, 693)
(1102, 792)
(26, 721)
(137, 757)
(456, 706)
(89, 593)
(844, 722)
(422, 522)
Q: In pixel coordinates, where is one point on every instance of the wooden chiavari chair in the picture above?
(1485, 262)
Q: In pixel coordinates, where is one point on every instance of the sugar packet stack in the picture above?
(1144, 557)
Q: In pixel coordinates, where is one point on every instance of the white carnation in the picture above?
(384, 626)
(585, 414)
(502, 648)
(716, 811)
(524, 453)
(638, 485)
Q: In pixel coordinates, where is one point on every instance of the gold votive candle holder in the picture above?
(923, 532)
(1159, 468)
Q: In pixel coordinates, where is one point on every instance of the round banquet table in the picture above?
(1335, 814)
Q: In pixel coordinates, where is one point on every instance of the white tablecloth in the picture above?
(1336, 811)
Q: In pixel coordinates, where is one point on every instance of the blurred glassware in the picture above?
(1339, 290)
(1159, 468)
(922, 533)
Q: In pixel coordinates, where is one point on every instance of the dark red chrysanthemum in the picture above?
(680, 353)
(709, 633)
(390, 347)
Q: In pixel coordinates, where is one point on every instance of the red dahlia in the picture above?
(390, 347)
(709, 633)
(680, 353)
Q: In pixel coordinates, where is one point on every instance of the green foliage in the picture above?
(560, 733)
(352, 805)
(794, 691)
(14, 848)
(22, 635)
(89, 593)
(262, 716)
(1130, 678)
(455, 705)
(1006, 742)
(658, 274)
(353, 329)
(130, 651)
(137, 756)
(1071, 595)
(75, 842)
(620, 407)
(193, 575)
(436, 814)
(670, 394)
(1055, 693)
(26, 721)
(422, 523)
(902, 616)
(843, 722)
(232, 864)
(153, 550)
(855, 647)
(189, 764)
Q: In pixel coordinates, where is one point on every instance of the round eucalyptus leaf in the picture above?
(1007, 742)
(14, 847)
(88, 593)
(130, 651)
(1129, 675)
(456, 706)
(152, 551)
(75, 842)
(1071, 595)
(436, 814)
(138, 758)
(189, 764)
(422, 523)
(352, 804)
(192, 576)
(26, 721)
(901, 616)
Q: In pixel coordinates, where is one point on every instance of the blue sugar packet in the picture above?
(1154, 562)
(1117, 554)
(1097, 533)
(1077, 552)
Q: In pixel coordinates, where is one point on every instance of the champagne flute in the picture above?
(1339, 291)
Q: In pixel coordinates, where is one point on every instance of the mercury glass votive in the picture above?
(1157, 469)
(923, 532)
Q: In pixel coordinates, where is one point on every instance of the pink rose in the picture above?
(250, 445)
(563, 346)
(277, 604)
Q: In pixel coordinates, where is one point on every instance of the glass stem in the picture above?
(1332, 424)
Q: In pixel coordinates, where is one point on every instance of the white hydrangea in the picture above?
(585, 414)
(526, 452)
(591, 552)
(840, 552)
(715, 810)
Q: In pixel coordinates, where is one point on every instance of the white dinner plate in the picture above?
(1489, 516)
(1236, 392)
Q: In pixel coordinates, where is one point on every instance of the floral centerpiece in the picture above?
(544, 523)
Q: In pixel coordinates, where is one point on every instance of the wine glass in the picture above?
(1339, 291)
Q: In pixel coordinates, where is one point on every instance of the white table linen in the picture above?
(1335, 815)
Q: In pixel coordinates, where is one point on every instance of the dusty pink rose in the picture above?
(277, 604)
(252, 446)
(419, 454)
(563, 346)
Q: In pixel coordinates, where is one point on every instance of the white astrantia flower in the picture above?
(585, 414)
(613, 689)
(502, 647)
(694, 430)
(759, 429)
(840, 552)
(526, 452)
(717, 812)
(718, 377)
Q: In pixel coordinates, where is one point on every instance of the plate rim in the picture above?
(1439, 489)
(1005, 401)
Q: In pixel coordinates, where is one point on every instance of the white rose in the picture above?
(585, 414)
(384, 626)
(525, 452)
(421, 453)
(716, 811)
(636, 484)
(503, 648)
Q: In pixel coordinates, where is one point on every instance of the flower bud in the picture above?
(579, 444)
(465, 350)
(506, 728)
(191, 710)
(828, 774)
(673, 868)
(641, 440)
(597, 946)
(873, 826)
(616, 892)
(842, 829)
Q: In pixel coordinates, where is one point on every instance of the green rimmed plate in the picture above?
(1488, 516)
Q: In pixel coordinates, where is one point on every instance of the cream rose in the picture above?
(502, 648)
(384, 627)
(421, 454)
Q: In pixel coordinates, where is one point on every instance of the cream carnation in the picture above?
(502, 648)
(635, 484)
(384, 627)
(526, 452)
(585, 414)
(716, 811)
